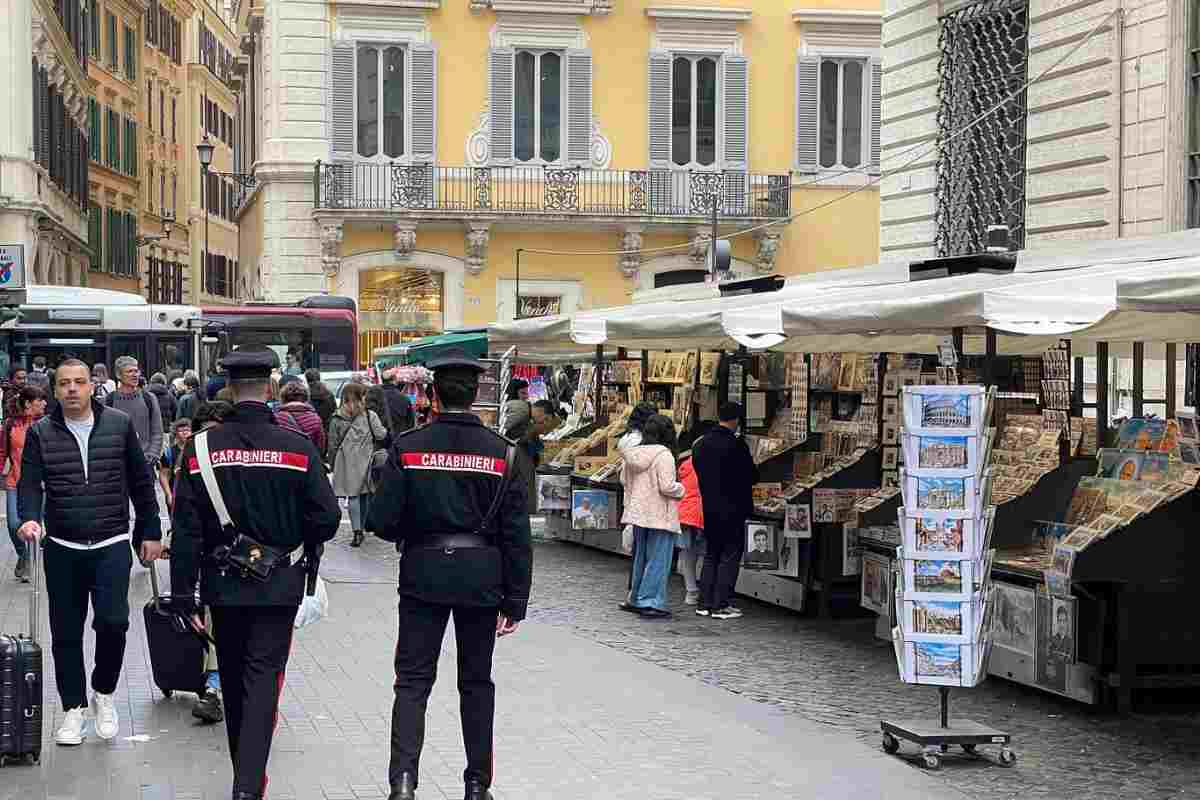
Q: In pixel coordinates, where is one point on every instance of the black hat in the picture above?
(250, 362)
(455, 358)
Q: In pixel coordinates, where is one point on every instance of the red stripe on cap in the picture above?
(454, 462)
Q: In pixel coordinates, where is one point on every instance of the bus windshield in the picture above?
(303, 336)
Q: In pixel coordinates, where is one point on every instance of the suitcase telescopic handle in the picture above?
(35, 556)
(154, 585)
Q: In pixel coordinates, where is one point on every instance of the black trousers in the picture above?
(73, 577)
(254, 643)
(724, 547)
(422, 627)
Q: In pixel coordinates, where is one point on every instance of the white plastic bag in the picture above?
(627, 539)
(313, 608)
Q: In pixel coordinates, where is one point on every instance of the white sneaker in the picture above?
(105, 711)
(71, 732)
(691, 598)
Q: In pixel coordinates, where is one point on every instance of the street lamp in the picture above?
(168, 223)
(205, 151)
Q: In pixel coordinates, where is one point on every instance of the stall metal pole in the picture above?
(944, 692)
(597, 381)
(1077, 388)
(517, 299)
(1101, 394)
(1171, 382)
(1139, 357)
(989, 361)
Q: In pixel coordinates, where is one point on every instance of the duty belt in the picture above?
(453, 541)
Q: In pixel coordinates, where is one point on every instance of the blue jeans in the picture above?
(14, 522)
(651, 567)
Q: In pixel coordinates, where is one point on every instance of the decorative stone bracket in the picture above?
(768, 248)
(331, 246)
(701, 238)
(404, 237)
(631, 260)
(477, 238)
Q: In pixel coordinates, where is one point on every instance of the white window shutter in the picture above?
(501, 87)
(808, 70)
(736, 138)
(423, 108)
(875, 70)
(341, 102)
(579, 107)
(659, 106)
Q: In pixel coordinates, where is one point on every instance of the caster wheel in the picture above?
(1007, 757)
(891, 745)
(167, 693)
(34, 758)
(933, 761)
(969, 749)
(945, 748)
(3, 762)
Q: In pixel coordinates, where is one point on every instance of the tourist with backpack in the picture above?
(142, 408)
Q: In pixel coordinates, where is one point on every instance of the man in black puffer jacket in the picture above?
(85, 463)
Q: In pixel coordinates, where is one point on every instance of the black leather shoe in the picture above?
(406, 789)
(476, 791)
(246, 796)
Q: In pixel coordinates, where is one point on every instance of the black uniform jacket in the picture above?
(442, 479)
(95, 507)
(274, 485)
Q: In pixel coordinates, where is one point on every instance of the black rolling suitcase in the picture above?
(21, 683)
(176, 651)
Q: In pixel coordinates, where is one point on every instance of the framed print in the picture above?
(824, 505)
(891, 409)
(1050, 668)
(761, 552)
(891, 432)
(876, 583)
(851, 552)
(891, 458)
(1063, 615)
(553, 492)
(846, 371)
(891, 479)
(798, 521)
(891, 384)
(593, 509)
(789, 557)
(709, 362)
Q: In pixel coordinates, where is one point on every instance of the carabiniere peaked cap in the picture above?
(250, 362)
(455, 358)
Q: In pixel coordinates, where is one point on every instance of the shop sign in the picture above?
(539, 306)
(12, 267)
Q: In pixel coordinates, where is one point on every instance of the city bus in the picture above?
(322, 330)
(98, 326)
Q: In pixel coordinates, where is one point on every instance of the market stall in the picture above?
(821, 367)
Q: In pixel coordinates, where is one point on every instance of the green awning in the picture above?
(419, 351)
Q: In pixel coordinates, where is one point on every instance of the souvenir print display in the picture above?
(851, 552)
(946, 523)
(876, 582)
(798, 521)
(1013, 625)
(1056, 387)
(1050, 668)
(553, 492)
(593, 509)
(709, 364)
(789, 558)
(760, 547)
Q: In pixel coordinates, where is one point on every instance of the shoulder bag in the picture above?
(243, 554)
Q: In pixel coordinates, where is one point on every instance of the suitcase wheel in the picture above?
(167, 693)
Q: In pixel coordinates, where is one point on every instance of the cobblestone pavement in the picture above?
(575, 720)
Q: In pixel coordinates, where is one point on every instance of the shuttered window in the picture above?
(383, 102)
(95, 237)
(698, 113)
(540, 106)
(130, 54)
(838, 114)
(111, 32)
(93, 129)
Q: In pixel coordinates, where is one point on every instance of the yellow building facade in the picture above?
(115, 147)
(405, 154)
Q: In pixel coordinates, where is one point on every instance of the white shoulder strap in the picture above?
(210, 479)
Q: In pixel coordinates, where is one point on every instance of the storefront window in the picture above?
(398, 305)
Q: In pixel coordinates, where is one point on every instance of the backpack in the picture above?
(111, 398)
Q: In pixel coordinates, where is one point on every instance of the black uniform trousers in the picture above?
(422, 627)
(725, 544)
(254, 643)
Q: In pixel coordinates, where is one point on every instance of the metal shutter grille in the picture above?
(807, 113)
(876, 71)
(424, 102)
(579, 107)
(501, 90)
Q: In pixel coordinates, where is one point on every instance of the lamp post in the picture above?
(205, 151)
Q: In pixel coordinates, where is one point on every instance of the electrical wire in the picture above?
(873, 179)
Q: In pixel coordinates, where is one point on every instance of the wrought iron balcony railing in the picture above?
(549, 191)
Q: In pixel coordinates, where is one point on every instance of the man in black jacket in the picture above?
(85, 463)
(726, 473)
(272, 482)
(456, 501)
(399, 406)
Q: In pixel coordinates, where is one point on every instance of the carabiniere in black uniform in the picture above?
(453, 495)
(280, 502)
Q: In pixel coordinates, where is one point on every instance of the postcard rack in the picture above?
(936, 738)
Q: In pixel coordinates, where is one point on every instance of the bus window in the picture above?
(171, 354)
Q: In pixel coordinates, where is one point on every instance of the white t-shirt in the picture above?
(82, 430)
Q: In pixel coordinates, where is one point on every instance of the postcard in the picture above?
(1080, 538)
(941, 493)
(1122, 465)
(934, 534)
(1057, 584)
(937, 577)
(1013, 618)
(876, 583)
(942, 452)
(942, 617)
(798, 521)
(1063, 560)
(890, 479)
(937, 660)
(891, 385)
(891, 457)
(593, 509)
(945, 411)
(891, 432)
